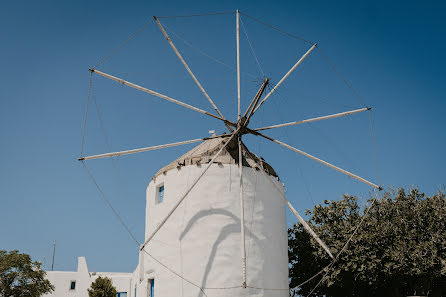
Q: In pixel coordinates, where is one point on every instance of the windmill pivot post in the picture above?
(238, 62)
(242, 212)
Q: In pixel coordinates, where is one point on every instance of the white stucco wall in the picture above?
(201, 240)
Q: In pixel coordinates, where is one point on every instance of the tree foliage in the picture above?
(102, 287)
(398, 250)
(20, 277)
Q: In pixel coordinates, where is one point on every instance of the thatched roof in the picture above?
(203, 153)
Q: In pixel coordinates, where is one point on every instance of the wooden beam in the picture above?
(172, 45)
(299, 217)
(316, 159)
(336, 115)
(286, 75)
(135, 86)
(149, 148)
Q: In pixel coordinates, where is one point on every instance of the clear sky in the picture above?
(392, 52)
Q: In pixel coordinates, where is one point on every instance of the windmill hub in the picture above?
(242, 125)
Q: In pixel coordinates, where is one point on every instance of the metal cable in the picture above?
(110, 205)
(174, 272)
(194, 15)
(252, 49)
(121, 221)
(298, 164)
(323, 277)
(359, 225)
(374, 146)
(123, 44)
(348, 241)
(297, 157)
(204, 53)
(85, 116)
(354, 165)
(277, 29)
(107, 143)
(341, 77)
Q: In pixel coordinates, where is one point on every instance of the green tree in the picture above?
(20, 277)
(102, 287)
(398, 250)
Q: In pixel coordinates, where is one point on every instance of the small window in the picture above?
(121, 294)
(73, 285)
(160, 193)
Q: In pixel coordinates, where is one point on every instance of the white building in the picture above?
(199, 248)
(76, 283)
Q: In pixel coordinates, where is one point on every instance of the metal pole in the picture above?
(188, 190)
(237, 15)
(242, 213)
(54, 252)
(341, 114)
(286, 75)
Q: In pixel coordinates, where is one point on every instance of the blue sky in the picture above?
(391, 52)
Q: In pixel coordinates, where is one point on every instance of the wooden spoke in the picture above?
(255, 101)
(336, 115)
(135, 86)
(299, 217)
(172, 45)
(286, 75)
(149, 148)
(317, 159)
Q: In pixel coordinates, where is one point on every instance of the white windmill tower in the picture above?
(198, 241)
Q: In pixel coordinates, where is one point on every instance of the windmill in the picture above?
(207, 163)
